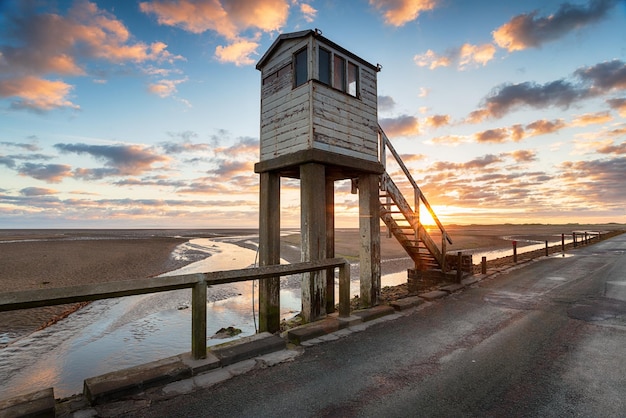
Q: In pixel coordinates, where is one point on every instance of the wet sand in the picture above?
(40, 260)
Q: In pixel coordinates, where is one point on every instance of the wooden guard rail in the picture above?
(385, 144)
(198, 282)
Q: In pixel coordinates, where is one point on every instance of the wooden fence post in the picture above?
(515, 251)
(198, 319)
(459, 267)
(547, 253)
(344, 290)
(483, 265)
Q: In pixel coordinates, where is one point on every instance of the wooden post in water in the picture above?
(547, 253)
(198, 320)
(483, 265)
(574, 239)
(515, 251)
(563, 242)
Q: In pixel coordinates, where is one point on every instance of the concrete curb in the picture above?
(182, 374)
(114, 385)
(35, 404)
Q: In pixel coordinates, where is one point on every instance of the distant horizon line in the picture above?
(297, 228)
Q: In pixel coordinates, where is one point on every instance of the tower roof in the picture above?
(318, 35)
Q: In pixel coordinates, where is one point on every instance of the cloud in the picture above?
(228, 169)
(531, 31)
(592, 118)
(604, 77)
(37, 191)
(120, 159)
(7, 161)
(449, 140)
(51, 173)
(497, 136)
(613, 149)
(386, 103)
(401, 126)
(399, 12)
(227, 18)
(26, 146)
(238, 52)
(587, 82)
(437, 121)
(40, 44)
(431, 60)
(594, 180)
(542, 127)
(619, 105)
(308, 12)
(185, 145)
(524, 156)
(37, 94)
(467, 55)
(245, 145)
(165, 88)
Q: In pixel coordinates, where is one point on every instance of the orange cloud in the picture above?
(542, 127)
(48, 43)
(531, 31)
(227, 18)
(165, 88)
(437, 121)
(399, 12)
(308, 12)
(431, 60)
(592, 118)
(476, 54)
(466, 55)
(498, 135)
(237, 53)
(523, 155)
(449, 140)
(37, 93)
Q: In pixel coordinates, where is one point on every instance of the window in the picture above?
(353, 80)
(301, 73)
(339, 79)
(324, 66)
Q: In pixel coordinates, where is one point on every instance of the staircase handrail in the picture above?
(386, 144)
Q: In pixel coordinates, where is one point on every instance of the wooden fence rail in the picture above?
(198, 282)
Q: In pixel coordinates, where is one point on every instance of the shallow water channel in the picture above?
(114, 334)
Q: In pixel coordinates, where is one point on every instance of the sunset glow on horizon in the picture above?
(145, 114)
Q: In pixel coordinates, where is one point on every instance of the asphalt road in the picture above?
(545, 339)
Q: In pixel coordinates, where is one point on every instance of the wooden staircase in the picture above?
(403, 220)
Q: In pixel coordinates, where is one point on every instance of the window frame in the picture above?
(327, 67)
(298, 66)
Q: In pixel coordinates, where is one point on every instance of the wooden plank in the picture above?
(58, 296)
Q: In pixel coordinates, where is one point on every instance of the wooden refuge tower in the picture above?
(319, 123)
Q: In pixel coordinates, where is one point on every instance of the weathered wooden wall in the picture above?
(315, 115)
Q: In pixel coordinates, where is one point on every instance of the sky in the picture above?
(145, 114)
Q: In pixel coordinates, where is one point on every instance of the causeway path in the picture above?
(545, 338)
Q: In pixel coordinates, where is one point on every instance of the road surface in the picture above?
(545, 339)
